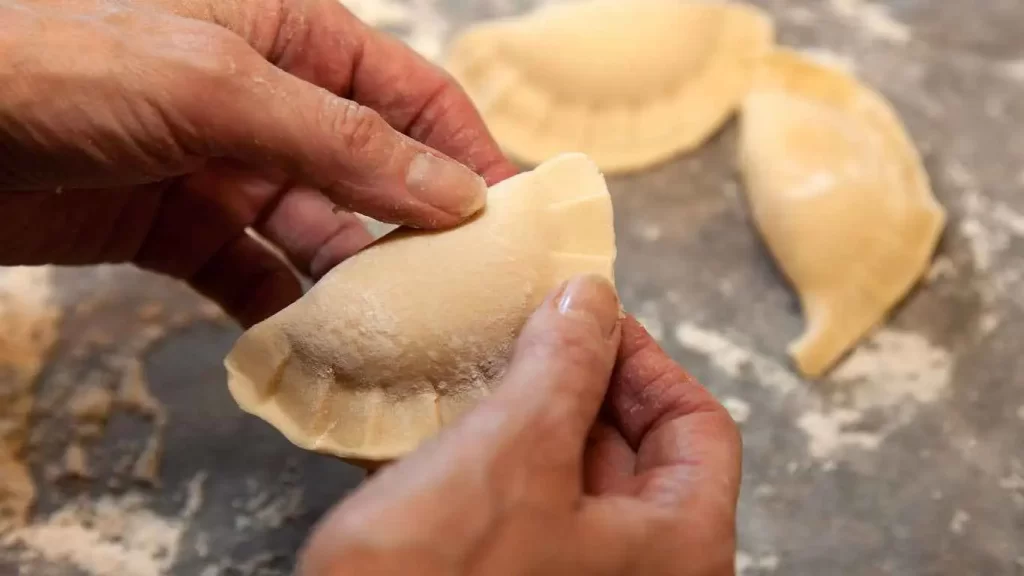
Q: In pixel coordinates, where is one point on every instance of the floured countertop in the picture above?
(122, 453)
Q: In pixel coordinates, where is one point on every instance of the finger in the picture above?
(538, 419)
(609, 461)
(426, 103)
(239, 106)
(314, 234)
(247, 281)
(688, 447)
(322, 42)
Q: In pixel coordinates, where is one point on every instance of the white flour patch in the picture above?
(942, 268)
(110, 535)
(894, 370)
(832, 431)
(380, 13)
(1020, 412)
(650, 319)
(734, 359)
(873, 18)
(831, 59)
(429, 30)
(423, 27)
(747, 563)
(1013, 69)
(894, 367)
(738, 409)
(958, 524)
(647, 231)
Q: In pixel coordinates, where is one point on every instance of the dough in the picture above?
(839, 194)
(400, 339)
(630, 83)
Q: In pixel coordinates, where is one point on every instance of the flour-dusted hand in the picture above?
(557, 473)
(157, 131)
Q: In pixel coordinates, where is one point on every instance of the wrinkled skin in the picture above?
(158, 132)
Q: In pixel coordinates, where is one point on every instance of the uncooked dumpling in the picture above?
(628, 82)
(400, 339)
(839, 194)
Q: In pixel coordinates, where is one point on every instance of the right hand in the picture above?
(559, 472)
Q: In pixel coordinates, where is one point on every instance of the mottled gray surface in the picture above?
(908, 461)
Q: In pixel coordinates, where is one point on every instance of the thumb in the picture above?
(556, 381)
(260, 114)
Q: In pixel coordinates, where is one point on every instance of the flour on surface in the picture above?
(738, 409)
(29, 318)
(110, 535)
(831, 59)
(873, 18)
(734, 359)
(650, 319)
(895, 366)
(828, 432)
(748, 563)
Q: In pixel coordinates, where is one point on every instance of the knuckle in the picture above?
(358, 127)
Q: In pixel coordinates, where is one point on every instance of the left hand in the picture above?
(157, 131)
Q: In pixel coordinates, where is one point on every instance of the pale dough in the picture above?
(630, 83)
(839, 194)
(400, 339)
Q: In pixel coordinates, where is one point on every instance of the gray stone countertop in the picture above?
(907, 460)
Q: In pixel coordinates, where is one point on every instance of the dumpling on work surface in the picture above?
(839, 194)
(400, 339)
(628, 82)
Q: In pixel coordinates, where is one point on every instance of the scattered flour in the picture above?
(29, 322)
(873, 18)
(734, 359)
(832, 59)
(419, 22)
(958, 524)
(1013, 69)
(647, 231)
(649, 317)
(380, 13)
(893, 370)
(895, 366)
(1020, 413)
(738, 409)
(747, 563)
(110, 535)
(828, 432)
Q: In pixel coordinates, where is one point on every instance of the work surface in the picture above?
(909, 459)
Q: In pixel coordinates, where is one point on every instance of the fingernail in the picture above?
(591, 296)
(446, 185)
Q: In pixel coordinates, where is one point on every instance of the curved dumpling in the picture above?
(397, 341)
(630, 83)
(839, 194)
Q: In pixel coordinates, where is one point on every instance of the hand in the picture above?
(158, 131)
(539, 479)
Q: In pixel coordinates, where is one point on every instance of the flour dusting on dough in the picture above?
(873, 18)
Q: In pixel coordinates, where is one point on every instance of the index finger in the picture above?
(322, 42)
(687, 444)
